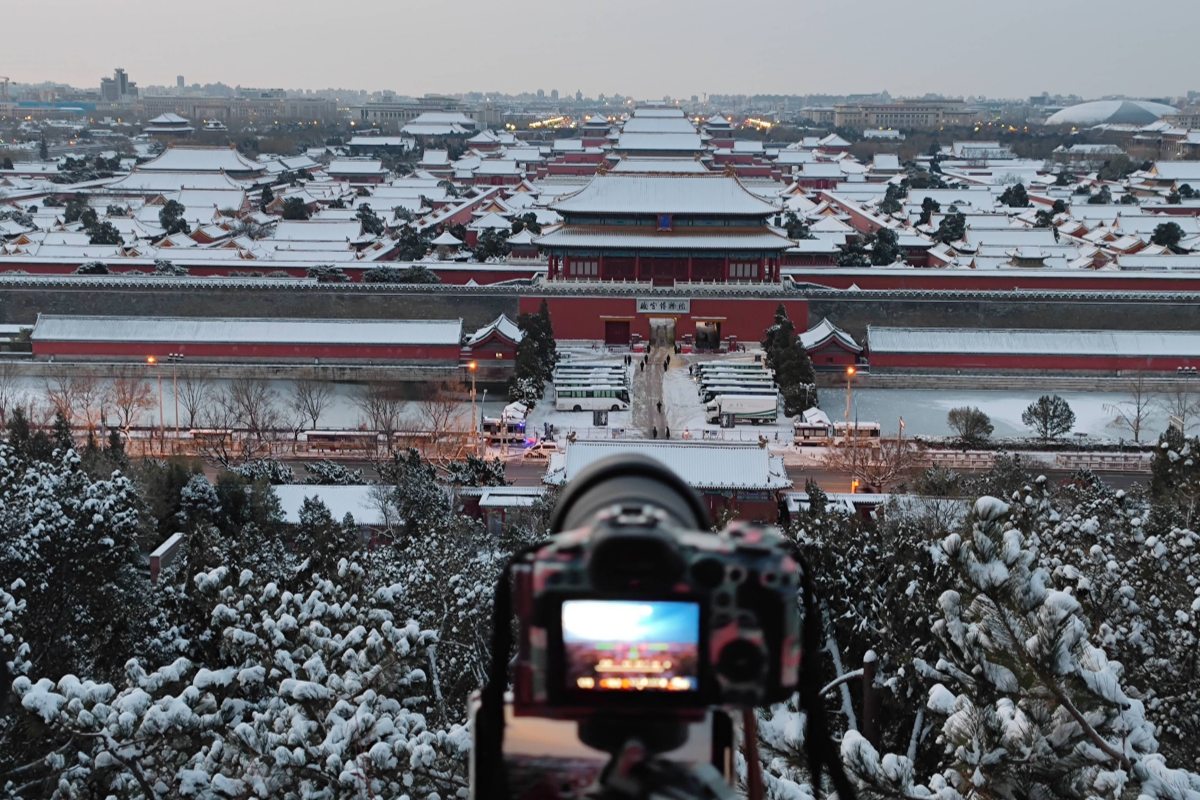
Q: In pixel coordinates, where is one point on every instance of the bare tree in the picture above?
(77, 397)
(9, 381)
(382, 407)
(1132, 413)
(254, 401)
(878, 464)
(441, 416)
(130, 397)
(194, 395)
(1182, 404)
(310, 398)
(217, 438)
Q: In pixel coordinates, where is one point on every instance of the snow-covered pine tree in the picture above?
(313, 694)
(72, 540)
(1030, 707)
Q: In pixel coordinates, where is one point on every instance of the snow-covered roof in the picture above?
(657, 111)
(1010, 341)
(311, 230)
(701, 465)
(712, 193)
(201, 159)
(823, 332)
(358, 501)
(157, 182)
(243, 330)
(355, 166)
(501, 325)
(580, 236)
(658, 125)
(660, 142)
(446, 239)
(168, 119)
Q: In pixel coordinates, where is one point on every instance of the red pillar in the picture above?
(762, 266)
(600, 267)
(725, 270)
(689, 273)
(637, 267)
(566, 262)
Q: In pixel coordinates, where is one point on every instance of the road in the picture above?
(529, 473)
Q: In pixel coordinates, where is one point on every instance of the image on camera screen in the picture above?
(631, 645)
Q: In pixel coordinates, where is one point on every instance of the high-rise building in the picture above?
(179, 82)
(118, 88)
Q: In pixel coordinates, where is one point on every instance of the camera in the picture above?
(635, 606)
(637, 622)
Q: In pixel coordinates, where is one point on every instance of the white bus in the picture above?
(591, 398)
(708, 393)
(750, 408)
(732, 365)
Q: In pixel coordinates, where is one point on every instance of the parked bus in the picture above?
(707, 394)
(731, 365)
(591, 398)
(750, 408)
(498, 431)
(865, 432)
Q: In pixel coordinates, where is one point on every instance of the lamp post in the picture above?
(175, 358)
(472, 367)
(850, 373)
(153, 361)
(479, 428)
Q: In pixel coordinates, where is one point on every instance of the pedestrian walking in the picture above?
(666, 432)
(659, 406)
(654, 432)
(642, 366)
(664, 366)
(668, 359)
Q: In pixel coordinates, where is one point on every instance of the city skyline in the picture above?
(668, 48)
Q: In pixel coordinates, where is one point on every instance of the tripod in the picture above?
(637, 771)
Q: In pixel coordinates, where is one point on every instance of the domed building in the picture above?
(1112, 112)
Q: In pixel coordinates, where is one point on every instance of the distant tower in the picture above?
(179, 83)
(578, 95)
(554, 94)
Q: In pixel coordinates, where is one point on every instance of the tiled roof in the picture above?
(1033, 341)
(636, 193)
(701, 465)
(646, 238)
(241, 330)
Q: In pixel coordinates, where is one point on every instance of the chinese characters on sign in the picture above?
(648, 305)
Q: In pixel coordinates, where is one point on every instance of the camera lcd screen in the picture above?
(631, 645)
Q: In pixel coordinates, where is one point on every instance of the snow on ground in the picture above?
(685, 409)
(924, 410)
(579, 421)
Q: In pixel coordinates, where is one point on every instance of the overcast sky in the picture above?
(645, 48)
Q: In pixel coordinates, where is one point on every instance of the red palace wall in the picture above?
(138, 351)
(1027, 363)
(1009, 280)
(585, 317)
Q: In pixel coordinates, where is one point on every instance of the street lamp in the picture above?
(472, 367)
(850, 373)
(175, 358)
(153, 361)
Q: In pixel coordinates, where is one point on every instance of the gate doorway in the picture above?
(708, 335)
(662, 331)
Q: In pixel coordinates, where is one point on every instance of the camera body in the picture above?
(636, 612)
